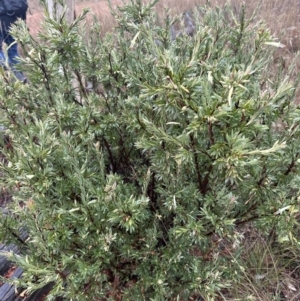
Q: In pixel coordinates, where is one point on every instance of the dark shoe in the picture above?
(21, 77)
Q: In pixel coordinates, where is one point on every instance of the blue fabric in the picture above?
(5, 23)
(5, 37)
(12, 50)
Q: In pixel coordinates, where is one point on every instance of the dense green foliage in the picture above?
(132, 159)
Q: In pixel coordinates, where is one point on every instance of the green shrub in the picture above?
(129, 186)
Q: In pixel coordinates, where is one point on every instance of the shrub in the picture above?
(129, 186)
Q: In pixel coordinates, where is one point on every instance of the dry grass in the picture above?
(279, 15)
(266, 272)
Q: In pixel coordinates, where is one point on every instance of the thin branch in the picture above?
(292, 165)
(211, 134)
(199, 178)
(109, 154)
(206, 180)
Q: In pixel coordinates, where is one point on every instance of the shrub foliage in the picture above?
(134, 158)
